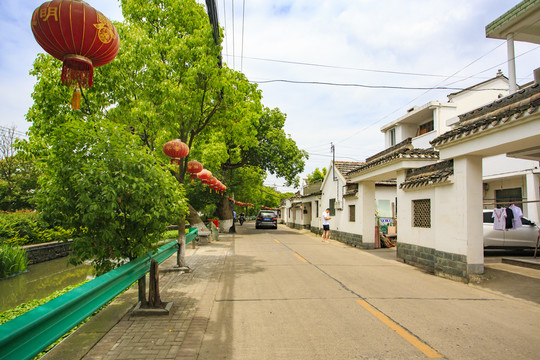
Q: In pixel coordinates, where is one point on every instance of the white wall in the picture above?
(470, 100)
(503, 165)
(444, 208)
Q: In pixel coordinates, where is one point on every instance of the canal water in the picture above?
(40, 281)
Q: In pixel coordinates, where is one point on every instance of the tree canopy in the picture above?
(104, 171)
(316, 175)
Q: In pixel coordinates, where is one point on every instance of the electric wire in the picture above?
(233, 31)
(225, 26)
(417, 97)
(243, 22)
(429, 88)
(18, 133)
(496, 66)
(345, 67)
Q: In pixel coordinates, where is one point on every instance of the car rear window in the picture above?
(267, 214)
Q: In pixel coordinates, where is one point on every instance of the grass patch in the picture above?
(13, 260)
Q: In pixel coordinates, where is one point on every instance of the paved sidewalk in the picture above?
(174, 336)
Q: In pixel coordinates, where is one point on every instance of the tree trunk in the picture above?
(193, 217)
(154, 299)
(224, 209)
(225, 214)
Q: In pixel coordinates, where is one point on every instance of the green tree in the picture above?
(316, 175)
(270, 148)
(100, 182)
(18, 176)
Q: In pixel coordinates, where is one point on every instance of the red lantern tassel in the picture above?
(76, 99)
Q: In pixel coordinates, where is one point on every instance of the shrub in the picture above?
(12, 260)
(26, 227)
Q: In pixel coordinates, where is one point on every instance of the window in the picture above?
(508, 195)
(352, 213)
(392, 134)
(422, 213)
(316, 208)
(332, 206)
(425, 128)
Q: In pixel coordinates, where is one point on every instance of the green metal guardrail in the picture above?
(27, 335)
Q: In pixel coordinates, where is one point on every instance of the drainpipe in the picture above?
(511, 63)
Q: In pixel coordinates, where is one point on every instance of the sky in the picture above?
(339, 69)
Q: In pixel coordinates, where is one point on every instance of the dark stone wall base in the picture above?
(440, 263)
(298, 226)
(344, 237)
(48, 251)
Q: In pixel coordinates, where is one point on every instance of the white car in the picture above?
(523, 237)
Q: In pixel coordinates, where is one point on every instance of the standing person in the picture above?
(326, 225)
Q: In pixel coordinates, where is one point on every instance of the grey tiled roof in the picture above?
(345, 166)
(401, 153)
(510, 109)
(428, 175)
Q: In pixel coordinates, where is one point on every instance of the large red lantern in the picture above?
(176, 150)
(78, 35)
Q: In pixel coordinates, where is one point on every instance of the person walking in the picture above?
(326, 224)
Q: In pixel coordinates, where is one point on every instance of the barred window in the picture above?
(352, 213)
(422, 213)
(332, 206)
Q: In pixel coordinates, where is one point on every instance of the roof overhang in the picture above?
(389, 170)
(523, 21)
(419, 115)
(518, 139)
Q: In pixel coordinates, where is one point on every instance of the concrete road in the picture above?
(286, 295)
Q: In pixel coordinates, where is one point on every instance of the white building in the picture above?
(348, 208)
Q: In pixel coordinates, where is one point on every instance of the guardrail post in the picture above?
(154, 299)
(142, 291)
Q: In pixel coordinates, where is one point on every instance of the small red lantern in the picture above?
(193, 168)
(204, 175)
(175, 149)
(212, 182)
(78, 35)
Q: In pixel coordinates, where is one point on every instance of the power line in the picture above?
(233, 46)
(367, 86)
(15, 132)
(225, 25)
(496, 66)
(243, 22)
(346, 68)
(417, 97)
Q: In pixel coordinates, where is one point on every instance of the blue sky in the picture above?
(416, 43)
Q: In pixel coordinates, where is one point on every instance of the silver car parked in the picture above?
(523, 237)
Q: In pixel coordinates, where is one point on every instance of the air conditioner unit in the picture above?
(339, 205)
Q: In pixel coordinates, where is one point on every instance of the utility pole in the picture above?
(333, 150)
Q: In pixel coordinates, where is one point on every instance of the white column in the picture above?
(533, 193)
(366, 192)
(511, 63)
(469, 194)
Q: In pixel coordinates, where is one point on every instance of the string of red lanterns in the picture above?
(176, 150)
(239, 203)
